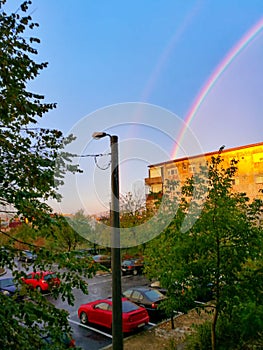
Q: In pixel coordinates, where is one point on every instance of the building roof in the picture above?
(208, 154)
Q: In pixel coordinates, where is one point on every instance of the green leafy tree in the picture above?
(32, 162)
(32, 166)
(69, 232)
(216, 250)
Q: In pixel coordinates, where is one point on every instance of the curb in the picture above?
(145, 331)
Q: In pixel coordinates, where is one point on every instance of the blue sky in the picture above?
(109, 52)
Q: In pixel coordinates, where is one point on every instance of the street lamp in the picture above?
(117, 336)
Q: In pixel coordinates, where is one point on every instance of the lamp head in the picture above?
(99, 135)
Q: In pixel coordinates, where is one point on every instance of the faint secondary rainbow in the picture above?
(166, 54)
(235, 51)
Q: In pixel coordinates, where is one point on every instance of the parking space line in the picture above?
(90, 328)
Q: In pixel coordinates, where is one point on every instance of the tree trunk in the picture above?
(213, 330)
(172, 320)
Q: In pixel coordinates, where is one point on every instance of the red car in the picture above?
(42, 280)
(99, 312)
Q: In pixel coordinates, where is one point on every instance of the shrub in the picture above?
(200, 339)
(242, 330)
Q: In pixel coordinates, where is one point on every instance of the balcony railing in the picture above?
(153, 180)
(154, 196)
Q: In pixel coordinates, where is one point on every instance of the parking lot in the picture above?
(99, 287)
(86, 336)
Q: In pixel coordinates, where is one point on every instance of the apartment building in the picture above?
(248, 179)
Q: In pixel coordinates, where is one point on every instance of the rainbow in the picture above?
(168, 51)
(234, 52)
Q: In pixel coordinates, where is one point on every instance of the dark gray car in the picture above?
(147, 297)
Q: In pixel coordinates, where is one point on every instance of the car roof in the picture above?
(42, 272)
(141, 288)
(7, 279)
(106, 300)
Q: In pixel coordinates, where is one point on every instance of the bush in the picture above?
(201, 339)
(240, 331)
(243, 330)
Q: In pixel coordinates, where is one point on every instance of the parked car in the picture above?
(42, 280)
(104, 260)
(99, 312)
(179, 288)
(65, 339)
(147, 297)
(10, 288)
(88, 251)
(132, 267)
(79, 254)
(204, 292)
(27, 256)
(157, 285)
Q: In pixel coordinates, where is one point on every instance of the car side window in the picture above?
(102, 306)
(128, 293)
(137, 295)
(29, 276)
(48, 277)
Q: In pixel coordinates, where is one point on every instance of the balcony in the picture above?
(154, 196)
(153, 180)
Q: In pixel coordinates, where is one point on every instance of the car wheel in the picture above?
(135, 272)
(83, 318)
(38, 288)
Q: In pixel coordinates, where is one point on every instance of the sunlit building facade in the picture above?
(248, 179)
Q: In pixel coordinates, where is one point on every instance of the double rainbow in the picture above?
(224, 64)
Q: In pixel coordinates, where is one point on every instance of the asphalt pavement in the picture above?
(90, 338)
(99, 287)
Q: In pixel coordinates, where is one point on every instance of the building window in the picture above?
(192, 168)
(172, 172)
(235, 181)
(257, 157)
(259, 179)
(184, 166)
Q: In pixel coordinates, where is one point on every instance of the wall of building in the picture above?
(248, 179)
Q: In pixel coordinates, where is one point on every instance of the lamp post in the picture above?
(117, 336)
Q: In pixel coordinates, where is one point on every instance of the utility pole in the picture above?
(117, 334)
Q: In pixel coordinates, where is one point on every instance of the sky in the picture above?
(171, 78)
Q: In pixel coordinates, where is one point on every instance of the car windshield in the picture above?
(127, 306)
(27, 252)
(153, 295)
(6, 282)
(127, 262)
(97, 257)
(49, 276)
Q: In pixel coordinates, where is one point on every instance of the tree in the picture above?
(67, 238)
(134, 222)
(32, 166)
(32, 162)
(216, 250)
